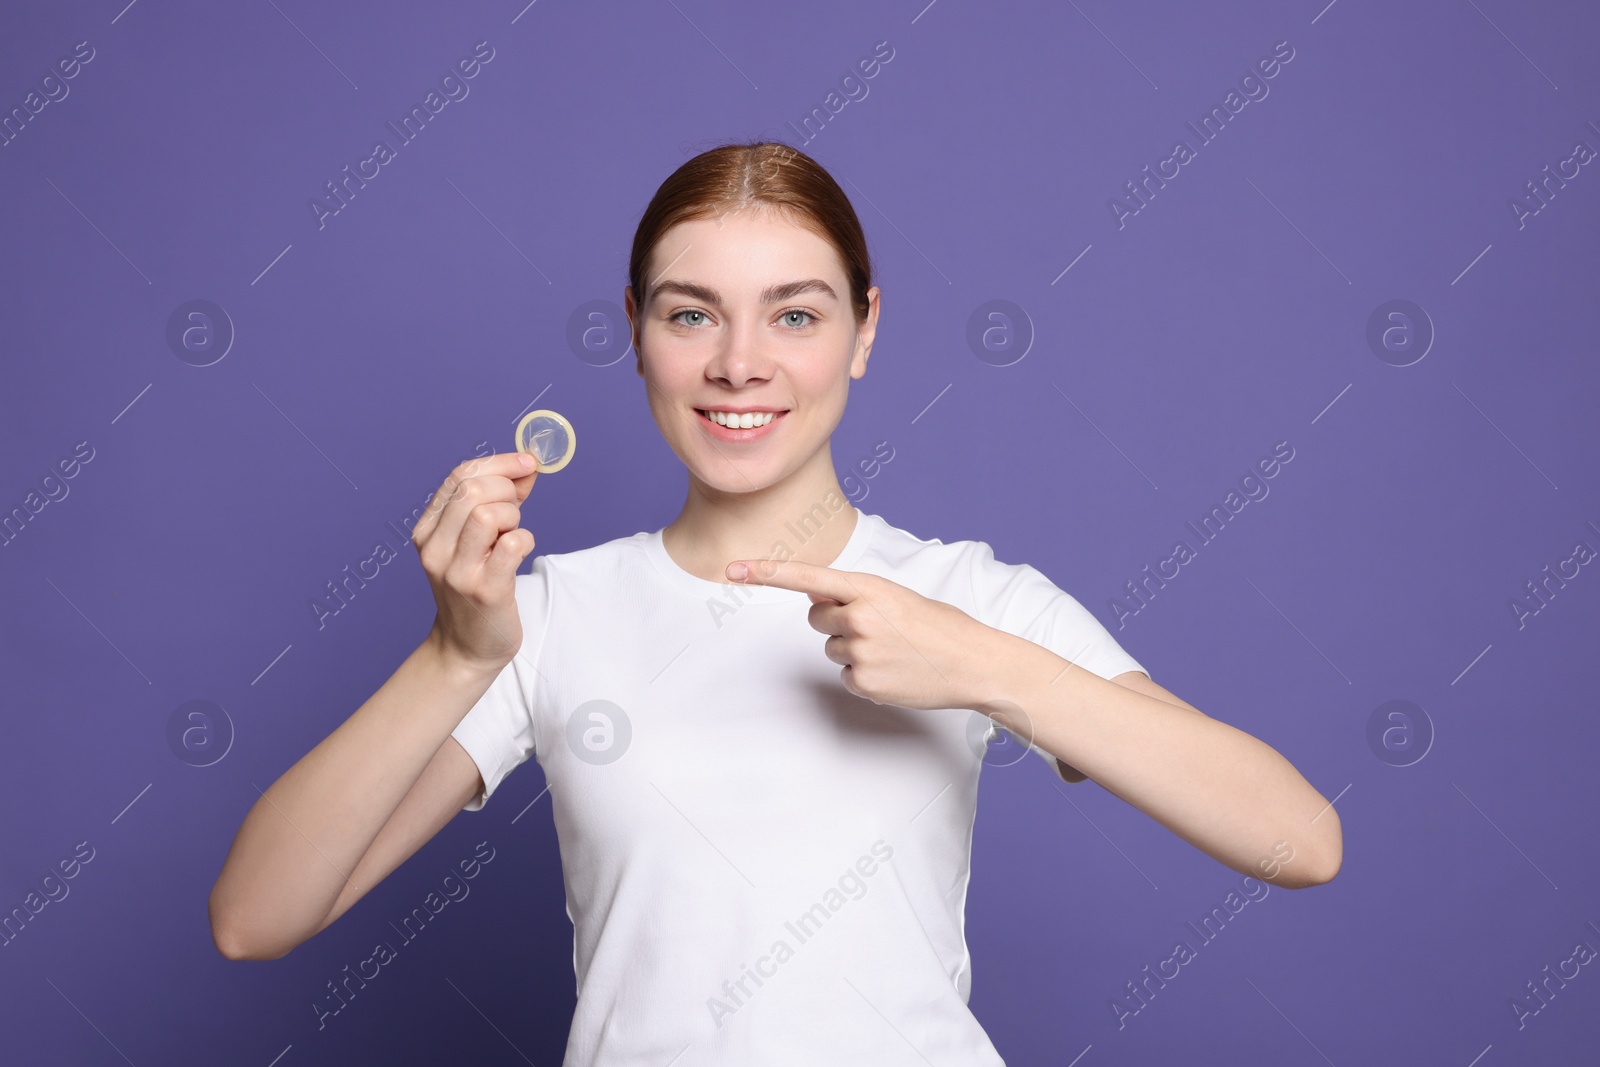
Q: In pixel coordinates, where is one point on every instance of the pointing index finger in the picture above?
(792, 574)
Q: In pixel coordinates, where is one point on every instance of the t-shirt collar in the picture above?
(794, 536)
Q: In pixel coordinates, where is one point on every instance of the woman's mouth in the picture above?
(725, 425)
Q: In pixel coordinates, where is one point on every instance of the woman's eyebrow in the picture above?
(770, 295)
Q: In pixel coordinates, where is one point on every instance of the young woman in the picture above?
(761, 725)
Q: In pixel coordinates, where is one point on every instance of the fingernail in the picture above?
(524, 460)
(738, 571)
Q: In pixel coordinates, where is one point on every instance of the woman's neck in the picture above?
(804, 517)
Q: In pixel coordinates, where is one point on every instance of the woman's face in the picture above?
(747, 315)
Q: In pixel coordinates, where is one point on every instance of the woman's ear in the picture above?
(865, 334)
(633, 329)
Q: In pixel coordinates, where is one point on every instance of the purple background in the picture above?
(1229, 314)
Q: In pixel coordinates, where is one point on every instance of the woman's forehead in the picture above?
(742, 255)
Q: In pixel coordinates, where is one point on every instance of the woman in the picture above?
(762, 725)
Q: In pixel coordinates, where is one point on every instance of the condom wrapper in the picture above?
(548, 438)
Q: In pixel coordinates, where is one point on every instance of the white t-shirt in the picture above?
(760, 867)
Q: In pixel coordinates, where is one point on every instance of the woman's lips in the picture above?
(724, 433)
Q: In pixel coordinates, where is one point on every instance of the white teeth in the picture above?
(741, 422)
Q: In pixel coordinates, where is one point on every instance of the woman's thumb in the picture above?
(524, 485)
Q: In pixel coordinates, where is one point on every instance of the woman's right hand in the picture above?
(471, 542)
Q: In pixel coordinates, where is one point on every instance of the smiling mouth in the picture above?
(734, 421)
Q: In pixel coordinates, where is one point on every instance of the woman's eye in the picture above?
(795, 318)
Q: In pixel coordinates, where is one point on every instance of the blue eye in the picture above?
(809, 318)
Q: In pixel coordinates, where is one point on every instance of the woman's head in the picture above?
(750, 289)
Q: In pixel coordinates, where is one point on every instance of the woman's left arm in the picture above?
(1229, 794)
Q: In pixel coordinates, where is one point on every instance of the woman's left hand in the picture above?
(894, 645)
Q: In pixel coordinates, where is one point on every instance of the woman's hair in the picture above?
(762, 174)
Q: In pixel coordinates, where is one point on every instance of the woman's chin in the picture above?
(731, 482)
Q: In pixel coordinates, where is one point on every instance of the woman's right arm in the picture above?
(381, 785)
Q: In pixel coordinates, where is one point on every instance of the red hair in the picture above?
(765, 174)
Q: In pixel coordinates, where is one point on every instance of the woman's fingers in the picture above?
(492, 477)
(507, 556)
(441, 547)
(482, 527)
(471, 541)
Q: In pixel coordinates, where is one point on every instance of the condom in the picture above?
(548, 438)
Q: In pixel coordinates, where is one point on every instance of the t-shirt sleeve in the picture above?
(1018, 599)
(498, 733)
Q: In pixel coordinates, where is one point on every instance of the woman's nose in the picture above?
(741, 357)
